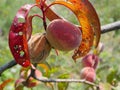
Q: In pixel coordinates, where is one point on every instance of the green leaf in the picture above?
(21, 87)
(111, 76)
(48, 84)
(46, 68)
(117, 33)
(53, 70)
(64, 85)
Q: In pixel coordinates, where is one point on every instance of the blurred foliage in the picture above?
(108, 70)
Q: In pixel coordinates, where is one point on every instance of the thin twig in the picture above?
(67, 80)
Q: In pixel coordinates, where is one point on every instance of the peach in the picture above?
(63, 35)
(90, 60)
(88, 74)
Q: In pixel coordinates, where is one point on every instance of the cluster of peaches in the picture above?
(89, 63)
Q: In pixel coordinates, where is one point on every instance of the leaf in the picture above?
(31, 83)
(99, 49)
(63, 85)
(112, 76)
(2, 86)
(20, 87)
(45, 67)
(20, 32)
(50, 14)
(48, 84)
(52, 71)
(19, 84)
(89, 22)
(64, 76)
(117, 33)
(24, 72)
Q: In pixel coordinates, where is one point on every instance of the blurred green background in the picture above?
(108, 11)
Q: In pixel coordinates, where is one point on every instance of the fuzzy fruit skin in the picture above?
(90, 60)
(63, 35)
(88, 74)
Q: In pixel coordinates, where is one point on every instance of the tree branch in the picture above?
(67, 80)
(104, 29)
(110, 27)
(7, 66)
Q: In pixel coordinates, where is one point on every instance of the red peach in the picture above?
(63, 35)
(88, 74)
(90, 60)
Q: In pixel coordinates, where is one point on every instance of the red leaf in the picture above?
(50, 14)
(20, 32)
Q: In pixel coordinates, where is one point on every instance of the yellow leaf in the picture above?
(88, 20)
(2, 86)
(44, 66)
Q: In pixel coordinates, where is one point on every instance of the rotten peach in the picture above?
(39, 48)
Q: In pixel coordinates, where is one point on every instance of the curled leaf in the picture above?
(2, 86)
(20, 32)
(45, 68)
(89, 22)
